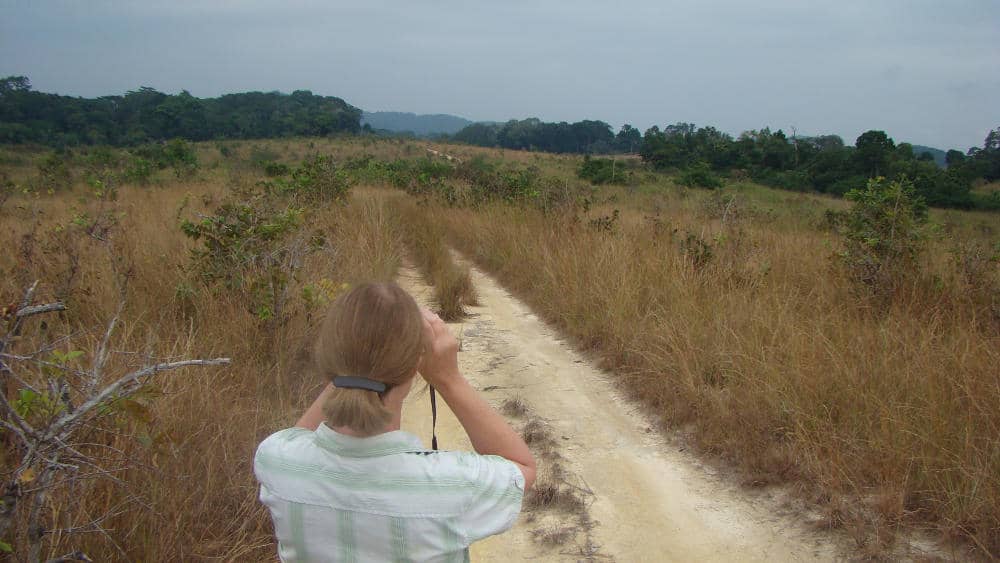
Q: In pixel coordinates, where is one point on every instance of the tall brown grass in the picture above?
(188, 486)
(425, 237)
(747, 336)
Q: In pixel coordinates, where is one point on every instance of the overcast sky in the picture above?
(927, 72)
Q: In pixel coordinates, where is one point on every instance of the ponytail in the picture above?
(374, 331)
(358, 409)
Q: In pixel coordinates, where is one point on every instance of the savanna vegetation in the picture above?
(821, 164)
(847, 346)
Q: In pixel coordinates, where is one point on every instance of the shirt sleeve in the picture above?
(498, 490)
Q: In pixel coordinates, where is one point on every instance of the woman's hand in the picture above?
(488, 431)
(439, 364)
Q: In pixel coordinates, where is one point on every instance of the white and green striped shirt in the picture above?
(339, 498)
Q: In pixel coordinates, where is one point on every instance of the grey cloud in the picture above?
(922, 70)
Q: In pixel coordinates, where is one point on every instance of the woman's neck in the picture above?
(393, 401)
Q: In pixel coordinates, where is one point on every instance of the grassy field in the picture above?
(724, 312)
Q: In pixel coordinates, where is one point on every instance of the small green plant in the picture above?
(274, 169)
(884, 233)
(54, 174)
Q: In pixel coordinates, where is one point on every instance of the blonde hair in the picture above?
(376, 331)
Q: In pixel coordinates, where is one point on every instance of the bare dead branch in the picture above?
(29, 294)
(101, 357)
(10, 414)
(32, 310)
(70, 557)
(65, 422)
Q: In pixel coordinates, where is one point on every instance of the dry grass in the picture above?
(760, 351)
(424, 236)
(558, 503)
(196, 497)
(765, 354)
(514, 407)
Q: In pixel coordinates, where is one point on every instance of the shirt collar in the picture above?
(387, 443)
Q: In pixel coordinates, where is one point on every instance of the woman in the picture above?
(345, 484)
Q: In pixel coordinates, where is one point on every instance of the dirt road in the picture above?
(650, 501)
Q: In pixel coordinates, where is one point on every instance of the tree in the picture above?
(904, 151)
(14, 84)
(628, 139)
(954, 157)
(872, 152)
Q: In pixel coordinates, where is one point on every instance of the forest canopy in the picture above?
(145, 115)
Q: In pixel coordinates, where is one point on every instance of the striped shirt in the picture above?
(334, 497)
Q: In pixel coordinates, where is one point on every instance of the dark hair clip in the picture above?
(351, 382)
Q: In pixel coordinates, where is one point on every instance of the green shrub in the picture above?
(176, 153)
(180, 155)
(54, 174)
(884, 233)
(138, 170)
(246, 246)
(605, 171)
(699, 175)
(317, 179)
(274, 169)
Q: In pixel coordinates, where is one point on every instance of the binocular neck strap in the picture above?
(434, 418)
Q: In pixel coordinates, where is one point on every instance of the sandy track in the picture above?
(651, 501)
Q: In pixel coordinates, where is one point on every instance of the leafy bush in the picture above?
(180, 155)
(884, 233)
(177, 154)
(138, 170)
(100, 158)
(247, 247)
(699, 175)
(367, 169)
(317, 179)
(274, 169)
(845, 185)
(54, 174)
(605, 171)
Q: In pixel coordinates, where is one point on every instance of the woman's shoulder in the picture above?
(473, 468)
(283, 440)
(287, 435)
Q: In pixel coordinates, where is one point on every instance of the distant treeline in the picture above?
(593, 137)
(824, 163)
(144, 115)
